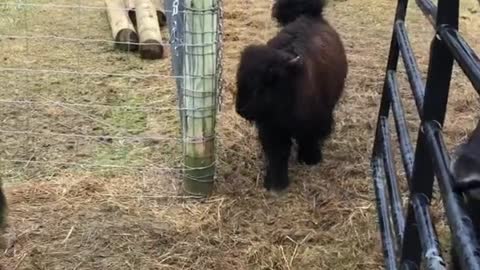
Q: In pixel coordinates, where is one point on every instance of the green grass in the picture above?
(132, 121)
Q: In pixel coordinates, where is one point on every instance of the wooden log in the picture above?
(148, 30)
(123, 31)
(162, 18)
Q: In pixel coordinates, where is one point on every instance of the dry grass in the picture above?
(80, 219)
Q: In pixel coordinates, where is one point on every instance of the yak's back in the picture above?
(329, 62)
(316, 41)
(325, 62)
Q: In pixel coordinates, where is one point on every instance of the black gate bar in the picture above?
(411, 66)
(392, 183)
(404, 139)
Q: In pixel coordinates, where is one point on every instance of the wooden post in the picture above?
(123, 31)
(148, 30)
(200, 94)
(162, 18)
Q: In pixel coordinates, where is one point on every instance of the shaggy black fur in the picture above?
(287, 11)
(465, 167)
(289, 88)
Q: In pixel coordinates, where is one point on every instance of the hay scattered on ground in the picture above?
(327, 220)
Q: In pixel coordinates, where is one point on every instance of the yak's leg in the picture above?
(276, 146)
(309, 150)
(310, 142)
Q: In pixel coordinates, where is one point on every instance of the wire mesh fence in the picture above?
(196, 28)
(71, 103)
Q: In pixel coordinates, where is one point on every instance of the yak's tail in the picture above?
(287, 11)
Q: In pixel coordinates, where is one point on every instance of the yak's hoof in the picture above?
(310, 157)
(276, 184)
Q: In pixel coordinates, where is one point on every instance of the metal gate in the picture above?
(411, 241)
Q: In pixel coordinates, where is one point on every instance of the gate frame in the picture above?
(411, 241)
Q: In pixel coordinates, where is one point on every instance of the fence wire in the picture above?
(70, 101)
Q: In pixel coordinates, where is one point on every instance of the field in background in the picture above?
(70, 102)
(105, 197)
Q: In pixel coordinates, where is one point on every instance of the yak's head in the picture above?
(266, 80)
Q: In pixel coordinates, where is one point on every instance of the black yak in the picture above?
(465, 167)
(289, 87)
